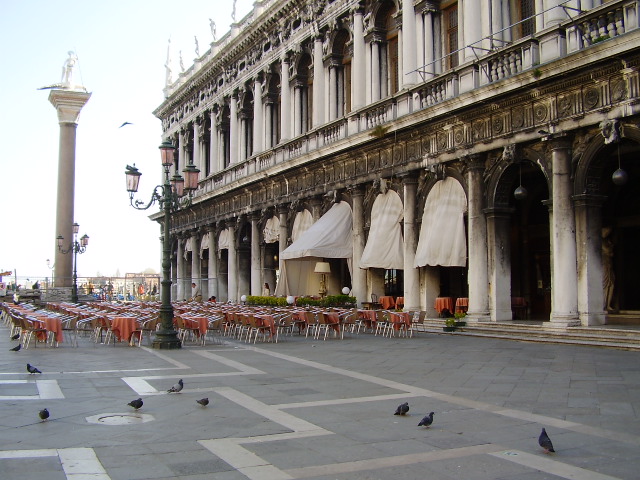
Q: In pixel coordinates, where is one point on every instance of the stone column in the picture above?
(297, 110)
(234, 130)
(411, 273)
(213, 144)
(472, 27)
(232, 265)
(591, 298)
(258, 129)
(283, 211)
(256, 257)
(375, 71)
(539, 6)
(68, 104)
(554, 13)
(318, 83)
(499, 268)
(268, 125)
(213, 261)
(285, 101)
(368, 84)
(180, 293)
(333, 93)
(359, 275)
(408, 44)
(564, 289)
(196, 145)
(195, 259)
(358, 71)
(429, 44)
(477, 242)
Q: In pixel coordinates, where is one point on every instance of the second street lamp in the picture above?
(170, 196)
(75, 247)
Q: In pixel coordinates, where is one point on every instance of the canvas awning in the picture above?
(301, 224)
(442, 234)
(384, 247)
(271, 230)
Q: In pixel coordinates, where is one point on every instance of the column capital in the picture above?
(357, 190)
(409, 178)
(68, 104)
(474, 162)
(283, 208)
(588, 200)
(558, 141)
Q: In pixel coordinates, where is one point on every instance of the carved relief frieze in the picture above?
(350, 169)
(591, 97)
(385, 158)
(398, 154)
(618, 89)
(565, 105)
(360, 165)
(413, 151)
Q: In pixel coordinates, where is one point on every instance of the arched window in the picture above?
(303, 101)
(450, 16)
(225, 134)
(387, 30)
(342, 66)
(246, 119)
(272, 102)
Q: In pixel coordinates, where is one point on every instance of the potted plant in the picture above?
(449, 324)
(459, 319)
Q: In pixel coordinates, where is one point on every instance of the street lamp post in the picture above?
(76, 247)
(170, 196)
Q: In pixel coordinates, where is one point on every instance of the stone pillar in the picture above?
(359, 275)
(333, 94)
(180, 293)
(258, 115)
(408, 44)
(234, 129)
(358, 71)
(411, 273)
(213, 144)
(68, 104)
(429, 44)
(195, 259)
(232, 265)
(539, 6)
(283, 211)
(477, 242)
(318, 83)
(554, 14)
(213, 262)
(297, 110)
(368, 84)
(472, 27)
(375, 71)
(196, 145)
(564, 289)
(499, 259)
(256, 257)
(285, 101)
(591, 297)
(268, 125)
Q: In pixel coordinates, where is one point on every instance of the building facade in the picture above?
(483, 149)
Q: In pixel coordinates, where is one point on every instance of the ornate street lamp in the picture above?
(171, 197)
(75, 247)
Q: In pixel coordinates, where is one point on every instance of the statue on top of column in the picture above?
(212, 25)
(197, 46)
(233, 12)
(67, 70)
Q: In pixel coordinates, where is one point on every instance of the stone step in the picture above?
(621, 338)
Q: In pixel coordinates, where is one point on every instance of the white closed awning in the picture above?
(301, 224)
(271, 230)
(442, 233)
(384, 247)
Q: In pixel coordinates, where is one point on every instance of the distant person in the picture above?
(212, 299)
(196, 295)
(266, 291)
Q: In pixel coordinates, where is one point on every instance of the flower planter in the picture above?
(448, 329)
(461, 324)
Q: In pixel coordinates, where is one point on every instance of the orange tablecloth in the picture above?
(387, 302)
(462, 304)
(444, 302)
(267, 321)
(399, 302)
(369, 318)
(201, 323)
(123, 327)
(51, 325)
(400, 318)
(333, 318)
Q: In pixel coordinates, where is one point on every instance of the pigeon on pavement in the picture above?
(31, 369)
(545, 442)
(203, 401)
(16, 336)
(426, 421)
(16, 348)
(177, 387)
(402, 409)
(43, 414)
(136, 403)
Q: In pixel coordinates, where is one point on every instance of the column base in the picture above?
(478, 317)
(166, 341)
(559, 320)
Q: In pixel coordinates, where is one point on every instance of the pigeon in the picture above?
(203, 401)
(16, 348)
(177, 387)
(31, 369)
(402, 409)
(545, 442)
(426, 421)
(16, 336)
(43, 414)
(125, 123)
(136, 404)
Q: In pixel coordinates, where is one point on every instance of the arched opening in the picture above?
(303, 101)
(246, 118)
(342, 70)
(225, 133)
(272, 133)
(388, 53)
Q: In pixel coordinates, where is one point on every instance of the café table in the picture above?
(462, 304)
(387, 302)
(267, 321)
(124, 327)
(444, 302)
(369, 318)
(399, 302)
(53, 326)
(400, 321)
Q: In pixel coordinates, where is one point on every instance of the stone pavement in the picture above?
(321, 410)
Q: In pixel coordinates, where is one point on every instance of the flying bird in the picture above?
(16, 336)
(426, 421)
(31, 369)
(545, 442)
(203, 401)
(402, 409)
(177, 387)
(43, 414)
(16, 348)
(125, 123)
(136, 404)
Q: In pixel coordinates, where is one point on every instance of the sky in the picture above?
(122, 48)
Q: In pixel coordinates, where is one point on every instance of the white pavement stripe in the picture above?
(82, 462)
(241, 367)
(286, 420)
(344, 401)
(389, 462)
(547, 465)
(49, 389)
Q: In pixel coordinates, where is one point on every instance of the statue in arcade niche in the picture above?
(608, 275)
